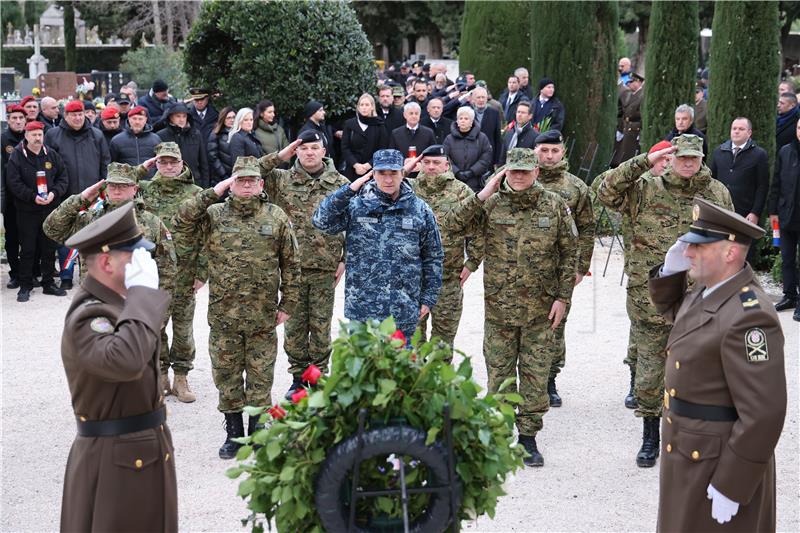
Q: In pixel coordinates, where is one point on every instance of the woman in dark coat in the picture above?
(469, 149)
(219, 151)
(362, 136)
(242, 139)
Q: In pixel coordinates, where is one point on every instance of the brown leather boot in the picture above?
(165, 387)
(181, 390)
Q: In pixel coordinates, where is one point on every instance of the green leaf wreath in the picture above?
(372, 368)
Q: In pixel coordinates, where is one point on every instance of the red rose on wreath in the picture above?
(299, 395)
(277, 412)
(311, 375)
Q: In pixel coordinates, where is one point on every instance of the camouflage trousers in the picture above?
(633, 352)
(238, 350)
(179, 356)
(446, 314)
(560, 354)
(649, 332)
(528, 350)
(307, 335)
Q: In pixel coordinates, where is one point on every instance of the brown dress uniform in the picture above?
(120, 474)
(724, 403)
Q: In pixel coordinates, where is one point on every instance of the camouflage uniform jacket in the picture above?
(393, 251)
(659, 207)
(299, 194)
(162, 196)
(443, 193)
(74, 214)
(253, 249)
(575, 194)
(531, 249)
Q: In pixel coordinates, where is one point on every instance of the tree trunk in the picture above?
(583, 65)
(70, 55)
(672, 67)
(157, 38)
(169, 19)
(184, 18)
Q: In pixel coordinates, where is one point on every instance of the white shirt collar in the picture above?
(709, 290)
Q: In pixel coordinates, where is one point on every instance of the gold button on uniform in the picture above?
(677, 365)
(668, 353)
(669, 420)
(695, 455)
(83, 419)
(669, 448)
(138, 463)
(672, 392)
(166, 457)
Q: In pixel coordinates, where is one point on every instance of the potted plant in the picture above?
(402, 395)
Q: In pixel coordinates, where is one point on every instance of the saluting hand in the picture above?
(356, 185)
(492, 185)
(149, 163)
(92, 191)
(656, 156)
(287, 153)
(222, 186)
(411, 163)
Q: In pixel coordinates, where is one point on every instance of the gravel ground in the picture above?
(589, 482)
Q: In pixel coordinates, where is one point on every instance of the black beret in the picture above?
(436, 150)
(310, 136)
(549, 137)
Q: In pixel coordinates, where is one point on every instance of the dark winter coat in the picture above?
(244, 144)
(193, 149)
(553, 108)
(47, 122)
(134, 149)
(525, 139)
(85, 153)
(786, 130)
(21, 177)
(155, 107)
(746, 177)
(510, 111)
(490, 126)
(108, 134)
(402, 138)
(784, 196)
(441, 128)
(219, 156)
(10, 141)
(358, 146)
(470, 155)
(324, 130)
(206, 125)
(392, 119)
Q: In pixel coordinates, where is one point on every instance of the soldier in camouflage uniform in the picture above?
(554, 177)
(660, 209)
(253, 249)
(171, 185)
(394, 252)
(531, 245)
(298, 192)
(440, 189)
(77, 212)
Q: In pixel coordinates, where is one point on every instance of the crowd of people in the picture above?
(427, 181)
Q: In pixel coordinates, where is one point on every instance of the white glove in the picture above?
(619, 136)
(722, 508)
(675, 261)
(141, 271)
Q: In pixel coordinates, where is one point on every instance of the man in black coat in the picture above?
(510, 97)
(49, 114)
(784, 207)
(522, 134)
(156, 101)
(204, 115)
(435, 121)
(314, 113)
(137, 143)
(684, 123)
(391, 115)
(788, 113)
(15, 115)
(179, 129)
(109, 124)
(412, 134)
(488, 119)
(547, 106)
(33, 205)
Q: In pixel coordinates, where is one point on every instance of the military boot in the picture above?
(181, 390)
(534, 457)
(253, 425)
(235, 429)
(651, 442)
(552, 392)
(297, 381)
(630, 399)
(166, 388)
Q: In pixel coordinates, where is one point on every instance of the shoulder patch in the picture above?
(102, 325)
(755, 341)
(749, 299)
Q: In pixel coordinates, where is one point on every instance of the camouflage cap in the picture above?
(246, 166)
(398, 91)
(387, 160)
(121, 173)
(688, 146)
(521, 159)
(169, 149)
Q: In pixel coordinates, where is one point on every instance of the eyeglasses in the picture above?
(168, 163)
(246, 180)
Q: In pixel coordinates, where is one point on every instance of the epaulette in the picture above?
(749, 299)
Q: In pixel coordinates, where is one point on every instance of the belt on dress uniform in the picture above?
(711, 413)
(121, 426)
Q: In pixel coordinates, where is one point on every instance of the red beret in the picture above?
(73, 106)
(109, 112)
(662, 145)
(34, 125)
(138, 110)
(27, 99)
(14, 108)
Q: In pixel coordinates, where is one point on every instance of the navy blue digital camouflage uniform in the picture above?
(393, 255)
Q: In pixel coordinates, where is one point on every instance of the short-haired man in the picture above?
(509, 98)
(435, 121)
(659, 207)
(725, 399)
(684, 125)
(788, 114)
(391, 235)
(530, 238)
(700, 108)
(412, 134)
(391, 115)
(555, 177)
(522, 134)
(488, 118)
(49, 115)
(298, 191)
(786, 86)
(15, 134)
(246, 304)
(524, 82)
(623, 70)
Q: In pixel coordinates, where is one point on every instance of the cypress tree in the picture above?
(582, 63)
(745, 65)
(495, 39)
(671, 60)
(70, 58)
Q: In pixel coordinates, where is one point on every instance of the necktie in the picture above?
(736, 152)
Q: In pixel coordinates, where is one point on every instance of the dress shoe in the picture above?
(24, 294)
(786, 303)
(13, 283)
(52, 289)
(66, 284)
